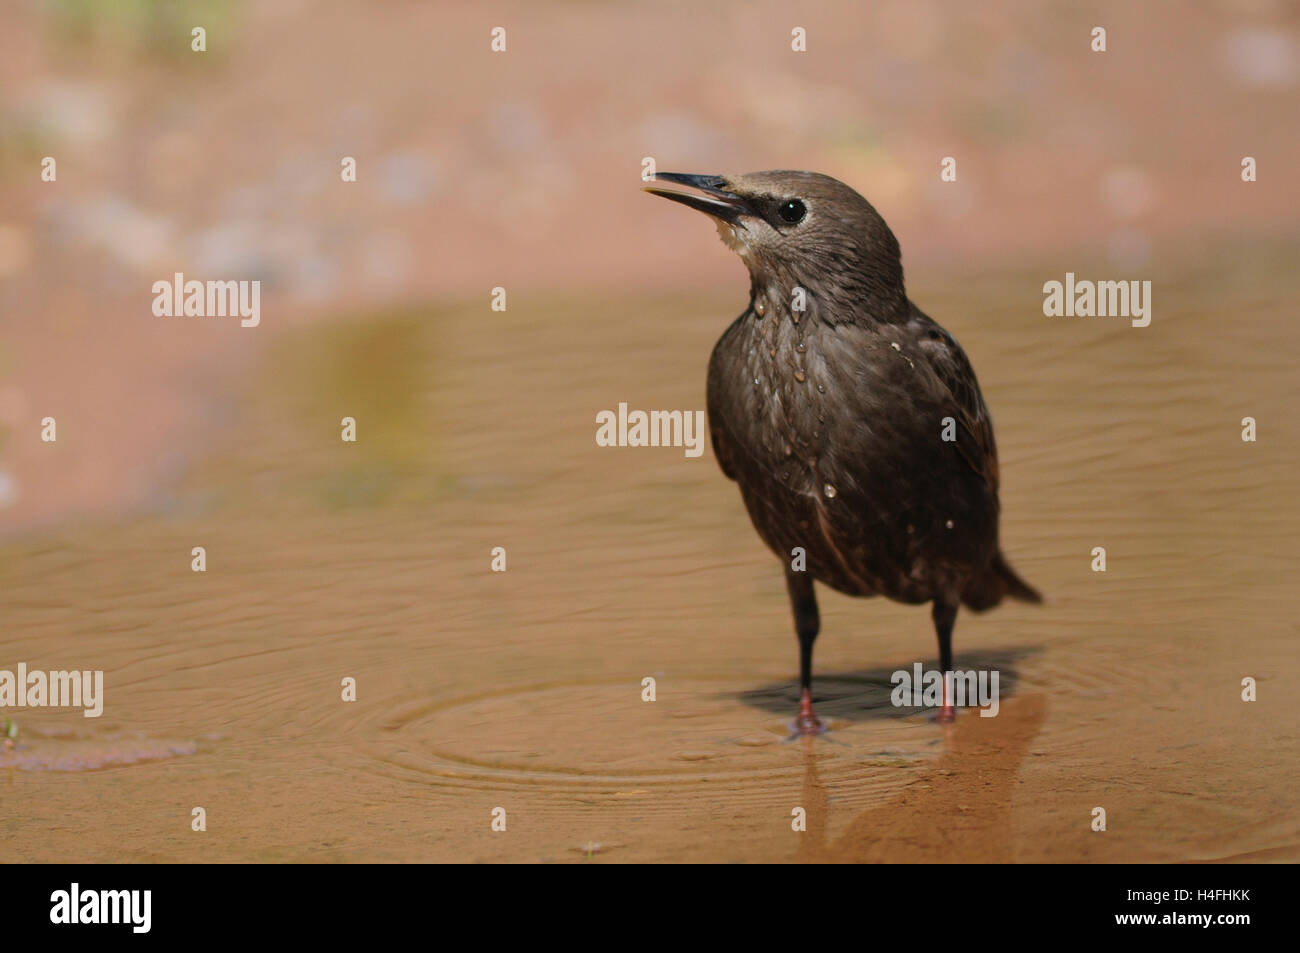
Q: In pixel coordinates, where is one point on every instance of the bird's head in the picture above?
(800, 229)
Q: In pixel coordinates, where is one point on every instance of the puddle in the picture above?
(478, 689)
(600, 738)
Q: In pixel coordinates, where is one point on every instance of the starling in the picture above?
(852, 422)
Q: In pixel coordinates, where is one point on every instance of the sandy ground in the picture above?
(522, 689)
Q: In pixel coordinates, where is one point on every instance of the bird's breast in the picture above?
(781, 419)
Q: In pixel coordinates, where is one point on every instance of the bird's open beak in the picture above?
(717, 201)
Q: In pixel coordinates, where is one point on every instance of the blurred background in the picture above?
(521, 169)
(476, 428)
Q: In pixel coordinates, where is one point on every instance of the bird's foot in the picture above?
(807, 722)
(947, 715)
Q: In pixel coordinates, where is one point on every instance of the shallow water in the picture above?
(522, 689)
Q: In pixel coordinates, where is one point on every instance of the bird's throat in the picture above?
(730, 235)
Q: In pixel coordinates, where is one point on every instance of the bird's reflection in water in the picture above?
(959, 811)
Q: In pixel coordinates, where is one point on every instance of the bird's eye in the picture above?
(792, 212)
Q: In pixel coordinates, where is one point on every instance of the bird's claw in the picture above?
(806, 723)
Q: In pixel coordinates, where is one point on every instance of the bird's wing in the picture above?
(953, 370)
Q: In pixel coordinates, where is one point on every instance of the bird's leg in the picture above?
(806, 625)
(945, 614)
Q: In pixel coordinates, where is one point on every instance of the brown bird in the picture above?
(851, 421)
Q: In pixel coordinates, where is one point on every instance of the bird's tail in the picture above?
(1000, 581)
